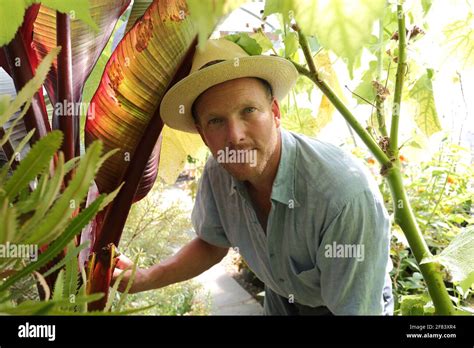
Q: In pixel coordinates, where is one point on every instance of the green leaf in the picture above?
(300, 120)
(53, 223)
(74, 8)
(71, 255)
(206, 14)
(46, 307)
(459, 40)
(365, 88)
(279, 6)
(291, 44)
(426, 5)
(249, 45)
(468, 282)
(59, 244)
(426, 116)
(458, 256)
(21, 145)
(71, 275)
(42, 201)
(36, 161)
(343, 26)
(413, 304)
(12, 17)
(32, 86)
(263, 41)
(58, 293)
(8, 218)
(12, 14)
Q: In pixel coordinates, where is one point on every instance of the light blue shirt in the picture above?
(327, 241)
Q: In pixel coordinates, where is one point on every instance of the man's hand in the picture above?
(193, 259)
(141, 280)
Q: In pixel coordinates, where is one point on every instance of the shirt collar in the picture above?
(283, 189)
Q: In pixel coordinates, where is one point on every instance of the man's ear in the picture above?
(276, 112)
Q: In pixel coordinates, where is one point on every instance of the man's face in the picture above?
(239, 115)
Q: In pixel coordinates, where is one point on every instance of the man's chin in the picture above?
(241, 172)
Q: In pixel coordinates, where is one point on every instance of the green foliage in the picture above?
(458, 258)
(250, 45)
(206, 13)
(34, 212)
(343, 27)
(157, 226)
(426, 116)
(12, 14)
(460, 38)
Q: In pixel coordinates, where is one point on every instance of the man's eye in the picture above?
(214, 121)
(249, 109)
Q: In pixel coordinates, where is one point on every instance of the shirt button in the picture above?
(281, 280)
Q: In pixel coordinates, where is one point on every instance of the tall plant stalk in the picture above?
(388, 159)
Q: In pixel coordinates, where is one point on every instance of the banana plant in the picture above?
(121, 81)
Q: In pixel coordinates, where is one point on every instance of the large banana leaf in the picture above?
(134, 82)
(138, 9)
(87, 44)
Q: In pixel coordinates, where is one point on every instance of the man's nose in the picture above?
(235, 132)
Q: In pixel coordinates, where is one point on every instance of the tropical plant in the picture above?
(38, 209)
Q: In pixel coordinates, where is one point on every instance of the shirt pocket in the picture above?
(309, 275)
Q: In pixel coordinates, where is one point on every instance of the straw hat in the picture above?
(232, 63)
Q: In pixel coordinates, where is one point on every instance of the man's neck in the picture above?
(263, 183)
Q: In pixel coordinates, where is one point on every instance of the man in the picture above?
(305, 216)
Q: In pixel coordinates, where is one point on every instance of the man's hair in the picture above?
(264, 83)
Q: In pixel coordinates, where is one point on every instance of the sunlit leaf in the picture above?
(291, 44)
(205, 14)
(36, 161)
(263, 41)
(12, 14)
(134, 81)
(249, 44)
(30, 88)
(426, 116)
(12, 17)
(458, 256)
(460, 40)
(177, 145)
(86, 43)
(342, 26)
(138, 9)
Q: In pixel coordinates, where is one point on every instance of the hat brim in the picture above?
(175, 109)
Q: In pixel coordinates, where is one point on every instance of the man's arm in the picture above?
(191, 260)
(353, 257)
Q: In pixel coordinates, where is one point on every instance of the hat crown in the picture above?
(216, 50)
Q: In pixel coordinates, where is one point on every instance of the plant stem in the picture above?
(65, 96)
(21, 70)
(399, 81)
(378, 100)
(405, 218)
(313, 75)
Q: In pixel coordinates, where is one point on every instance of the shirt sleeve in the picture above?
(205, 217)
(353, 257)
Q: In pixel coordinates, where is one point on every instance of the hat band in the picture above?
(212, 62)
